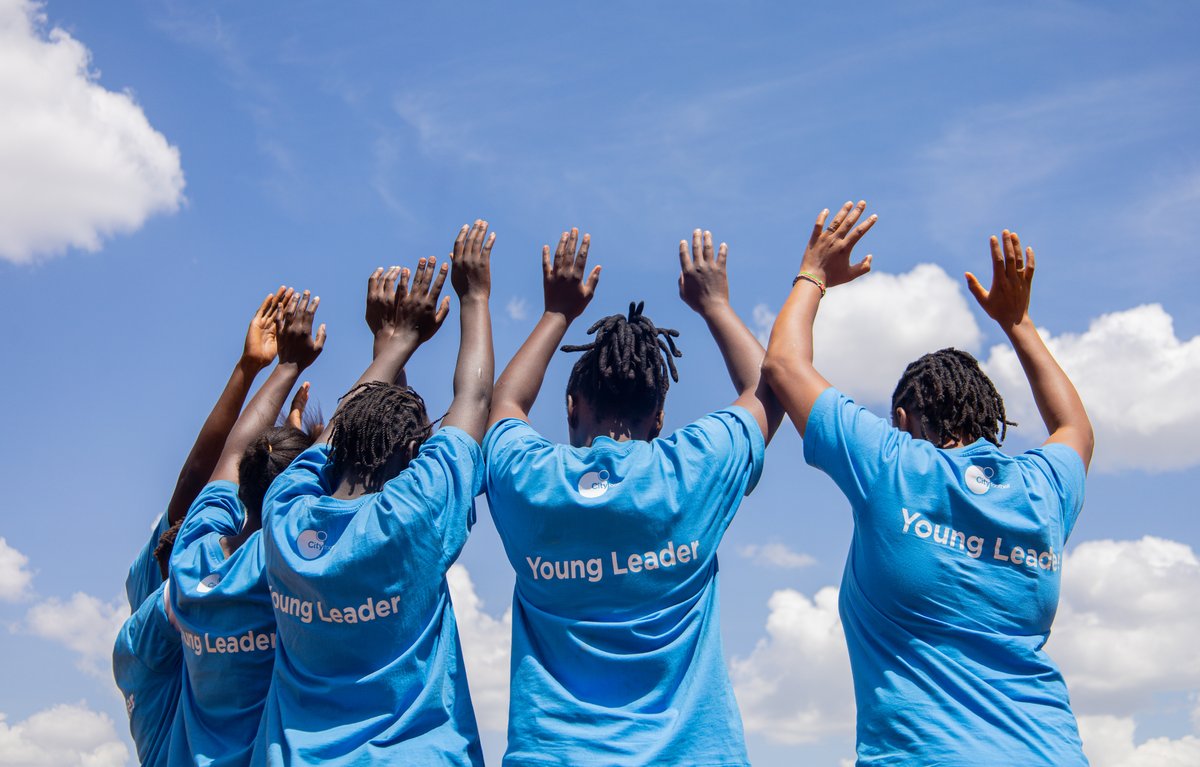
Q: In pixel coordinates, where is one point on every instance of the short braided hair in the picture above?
(166, 543)
(953, 397)
(265, 458)
(375, 420)
(628, 367)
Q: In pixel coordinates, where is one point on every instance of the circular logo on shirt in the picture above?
(979, 479)
(311, 543)
(593, 484)
(209, 583)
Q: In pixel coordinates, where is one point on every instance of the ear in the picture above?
(658, 424)
(572, 413)
(412, 450)
(900, 419)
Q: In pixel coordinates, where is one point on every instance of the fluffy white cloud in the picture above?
(1137, 380)
(62, 736)
(517, 308)
(775, 555)
(486, 644)
(869, 330)
(14, 577)
(1108, 742)
(77, 162)
(83, 624)
(795, 685)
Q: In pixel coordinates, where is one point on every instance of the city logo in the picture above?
(593, 484)
(311, 543)
(209, 583)
(979, 479)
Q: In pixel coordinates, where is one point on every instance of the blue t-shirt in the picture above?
(369, 668)
(148, 667)
(616, 652)
(144, 574)
(223, 609)
(949, 591)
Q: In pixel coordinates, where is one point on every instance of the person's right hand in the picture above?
(381, 292)
(415, 308)
(565, 292)
(1012, 280)
(261, 344)
(472, 258)
(297, 345)
(827, 256)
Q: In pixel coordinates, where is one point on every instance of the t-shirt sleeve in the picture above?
(307, 475)
(217, 510)
(144, 574)
(445, 476)
(850, 444)
(148, 638)
(1065, 473)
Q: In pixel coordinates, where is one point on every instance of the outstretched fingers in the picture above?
(851, 218)
(818, 227)
(685, 257)
(722, 255)
(581, 259)
(862, 229)
(441, 280)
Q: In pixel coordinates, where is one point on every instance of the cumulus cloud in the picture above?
(14, 576)
(795, 686)
(83, 624)
(1108, 741)
(517, 308)
(62, 736)
(486, 644)
(868, 330)
(1137, 379)
(775, 555)
(78, 162)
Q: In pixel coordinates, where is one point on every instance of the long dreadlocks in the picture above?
(377, 420)
(953, 397)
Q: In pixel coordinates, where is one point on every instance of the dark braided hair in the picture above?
(376, 420)
(263, 460)
(166, 542)
(953, 397)
(627, 368)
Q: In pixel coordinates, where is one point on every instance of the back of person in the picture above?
(147, 665)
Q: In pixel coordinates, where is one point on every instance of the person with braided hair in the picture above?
(616, 653)
(362, 530)
(952, 580)
(217, 592)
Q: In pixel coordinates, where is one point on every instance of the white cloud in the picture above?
(795, 686)
(517, 308)
(78, 162)
(868, 331)
(775, 555)
(14, 577)
(1108, 742)
(62, 736)
(486, 644)
(83, 624)
(1137, 380)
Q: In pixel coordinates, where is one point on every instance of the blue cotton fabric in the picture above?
(616, 654)
(148, 667)
(227, 626)
(144, 574)
(369, 669)
(949, 591)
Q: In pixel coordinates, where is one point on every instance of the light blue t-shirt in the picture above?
(223, 609)
(144, 573)
(616, 652)
(369, 668)
(148, 667)
(949, 591)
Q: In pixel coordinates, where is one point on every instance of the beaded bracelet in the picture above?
(811, 278)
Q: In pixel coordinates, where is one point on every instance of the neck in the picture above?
(231, 543)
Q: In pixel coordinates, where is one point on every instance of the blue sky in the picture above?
(316, 142)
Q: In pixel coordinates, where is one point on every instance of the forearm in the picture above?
(475, 369)
(1057, 400)
(258, 416)
(743, 355)
(206, 451)
(788, 366)
(387, 366)
(519, 384)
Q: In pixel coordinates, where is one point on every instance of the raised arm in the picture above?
(1008, 304)
(298, 348)
(704, 286)
(566, 296)
(381, 292)
(476, 366)
(788, 366)
(258, 352)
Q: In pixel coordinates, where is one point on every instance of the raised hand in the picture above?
(295, 417)
(1012, 281)
(261, 342)
(297, 344)
(703, 282)
(381, 292)
(827, 256)
(472, 257)
(565, 292)
(415, 308)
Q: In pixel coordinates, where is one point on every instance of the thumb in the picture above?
(593, 280)
(442, 311)
(977, 289)
(861, 268)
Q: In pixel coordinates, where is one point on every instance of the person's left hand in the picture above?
(261, 343)
(297, 344)
(703, 281)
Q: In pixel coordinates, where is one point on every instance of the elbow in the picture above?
(774, 369)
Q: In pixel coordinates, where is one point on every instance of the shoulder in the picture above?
(217, 509)
(509, 433)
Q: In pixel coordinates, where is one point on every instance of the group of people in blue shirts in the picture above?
(292, 608)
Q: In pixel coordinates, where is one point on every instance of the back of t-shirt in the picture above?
(617, 656)
(950, 590)
(369, 667)
(148, 667)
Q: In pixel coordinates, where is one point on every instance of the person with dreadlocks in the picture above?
(147, 660)
(952, 580)
(616, 650)
(363, 528)
(217, 591)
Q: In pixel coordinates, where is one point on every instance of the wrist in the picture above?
(815, 271)
(1021, 326)
(475, 296)
(251, 365)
